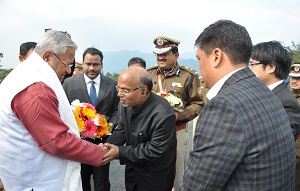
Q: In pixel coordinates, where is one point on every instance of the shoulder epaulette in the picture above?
(152, 67)
(190, 70)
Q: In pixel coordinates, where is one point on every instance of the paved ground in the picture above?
(117, 170)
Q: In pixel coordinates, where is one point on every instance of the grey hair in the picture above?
(55, 41)
(144, 79)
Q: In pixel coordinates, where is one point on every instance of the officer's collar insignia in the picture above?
(177, 72)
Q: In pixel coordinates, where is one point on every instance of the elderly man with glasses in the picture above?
(40, 144)
(147, 126)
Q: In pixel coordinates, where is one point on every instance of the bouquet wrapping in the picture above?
(90, 123)
(174, 101)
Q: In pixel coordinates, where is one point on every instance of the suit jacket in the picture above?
(107, 101)
(290, 105)
(243, 140)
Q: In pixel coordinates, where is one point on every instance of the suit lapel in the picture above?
(102, 89)
(278, 88)
(83, 88)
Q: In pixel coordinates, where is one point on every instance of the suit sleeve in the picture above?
(115, 114)
(37, 108)
(293, 113)
(219, 146)
(118, 135)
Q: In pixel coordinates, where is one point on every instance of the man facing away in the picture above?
(106, 103)
(39, 138)
(147, 126)
(168, 76)
(243, 138)
(271, 63)
(137, 61)
(26, 49)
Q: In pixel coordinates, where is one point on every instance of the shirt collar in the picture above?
(216, 88)
(96, 80)
(274, 85)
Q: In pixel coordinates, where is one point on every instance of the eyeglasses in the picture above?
(67, 65)
(254, 64)
(164, 55)
(126, 91)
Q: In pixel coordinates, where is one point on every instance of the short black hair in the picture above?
(231, 38)
(93, 51)
(273, 52)
(137, 60)
(26, 46)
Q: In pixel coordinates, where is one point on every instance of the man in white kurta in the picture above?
(39, 139)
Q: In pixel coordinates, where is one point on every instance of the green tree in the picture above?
(1, 56)
(113, 76)
(295, 52)
(4, 73)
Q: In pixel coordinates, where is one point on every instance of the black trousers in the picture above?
(100, 174)
(100, 177)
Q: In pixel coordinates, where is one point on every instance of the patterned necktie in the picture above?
(93, 94)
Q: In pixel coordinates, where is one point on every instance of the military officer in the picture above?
(295, 80)
(295, 87)
(202, 91)
(168, 76)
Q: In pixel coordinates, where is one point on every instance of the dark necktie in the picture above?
(93, 94)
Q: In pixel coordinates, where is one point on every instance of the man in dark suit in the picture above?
(106, 103)
(147, 126)
(271, 63)
(243, 139)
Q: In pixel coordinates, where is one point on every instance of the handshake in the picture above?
(110, 152)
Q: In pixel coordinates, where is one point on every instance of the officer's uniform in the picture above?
(184, 84)
(202, 91)
(295, 73)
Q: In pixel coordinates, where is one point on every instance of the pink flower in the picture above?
(90, 128)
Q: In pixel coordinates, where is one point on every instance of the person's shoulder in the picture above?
(151, 68)
(189, 70)
(72, 78)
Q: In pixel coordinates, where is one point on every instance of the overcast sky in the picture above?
(112, 25)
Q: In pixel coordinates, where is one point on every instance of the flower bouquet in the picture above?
(173, 100)
(90, 123)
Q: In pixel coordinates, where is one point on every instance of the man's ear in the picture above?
(271, 68)
(47, 55)
(21, 58)
(217, 56)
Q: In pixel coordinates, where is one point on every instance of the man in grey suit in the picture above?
(106, 103)
(271, 63)
(243, 139)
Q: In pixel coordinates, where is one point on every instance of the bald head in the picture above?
(138, 76)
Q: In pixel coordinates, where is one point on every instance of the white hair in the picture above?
(55, 41)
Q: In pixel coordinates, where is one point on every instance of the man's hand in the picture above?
(104, 149)
(113, 153)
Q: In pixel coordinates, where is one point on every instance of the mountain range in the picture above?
(116, 61)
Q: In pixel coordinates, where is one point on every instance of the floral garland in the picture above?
(90, 123)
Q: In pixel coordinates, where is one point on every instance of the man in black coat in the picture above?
(271, 63)
(147, 126)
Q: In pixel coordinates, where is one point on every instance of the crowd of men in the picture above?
(246, 135)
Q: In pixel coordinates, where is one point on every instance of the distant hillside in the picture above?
(116, 62)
